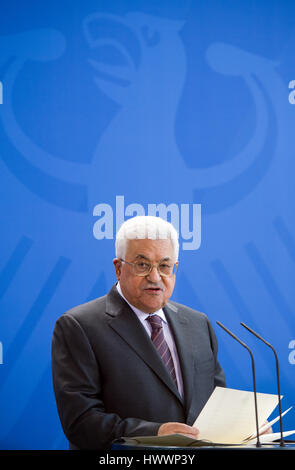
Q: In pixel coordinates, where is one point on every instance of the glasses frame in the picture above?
(152, 266)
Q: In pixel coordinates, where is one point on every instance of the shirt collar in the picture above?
(141, 315)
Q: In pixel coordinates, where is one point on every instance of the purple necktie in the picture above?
(160, 344)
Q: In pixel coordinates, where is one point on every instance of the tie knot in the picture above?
(155, 321)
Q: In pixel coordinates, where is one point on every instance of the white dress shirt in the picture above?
(142, 316)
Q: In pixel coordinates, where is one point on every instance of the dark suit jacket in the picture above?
(109, 380)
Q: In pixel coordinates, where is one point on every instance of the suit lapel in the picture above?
(183, 339)
(126, 324)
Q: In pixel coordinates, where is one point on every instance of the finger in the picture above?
(189, 430)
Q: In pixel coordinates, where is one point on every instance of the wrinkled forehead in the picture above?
(154, 250)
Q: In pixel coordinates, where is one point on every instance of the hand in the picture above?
(178, 428)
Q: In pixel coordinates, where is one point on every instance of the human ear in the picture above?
(118, 264)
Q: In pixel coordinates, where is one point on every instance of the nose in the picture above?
(154, 275)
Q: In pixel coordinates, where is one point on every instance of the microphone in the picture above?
(282, 444)
(258, 444)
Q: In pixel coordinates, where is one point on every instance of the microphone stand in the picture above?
(258, 444)
(282, 444)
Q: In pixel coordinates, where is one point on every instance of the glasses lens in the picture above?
(166, 269)
(142, 268)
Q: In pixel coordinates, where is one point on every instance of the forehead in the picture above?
(151, 249)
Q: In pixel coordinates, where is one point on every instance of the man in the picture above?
(132, 362)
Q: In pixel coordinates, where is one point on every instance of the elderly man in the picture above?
(133, 362)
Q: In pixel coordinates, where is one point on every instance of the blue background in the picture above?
(182, 102)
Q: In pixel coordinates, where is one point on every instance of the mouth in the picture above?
(153, 290)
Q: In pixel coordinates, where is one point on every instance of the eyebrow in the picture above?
(141, 256)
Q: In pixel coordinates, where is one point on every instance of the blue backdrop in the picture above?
(110, 109)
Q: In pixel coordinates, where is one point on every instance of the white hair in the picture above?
(141, 227)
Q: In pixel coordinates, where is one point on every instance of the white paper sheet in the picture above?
(229, 415)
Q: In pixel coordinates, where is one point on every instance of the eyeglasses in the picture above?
(144, 268)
